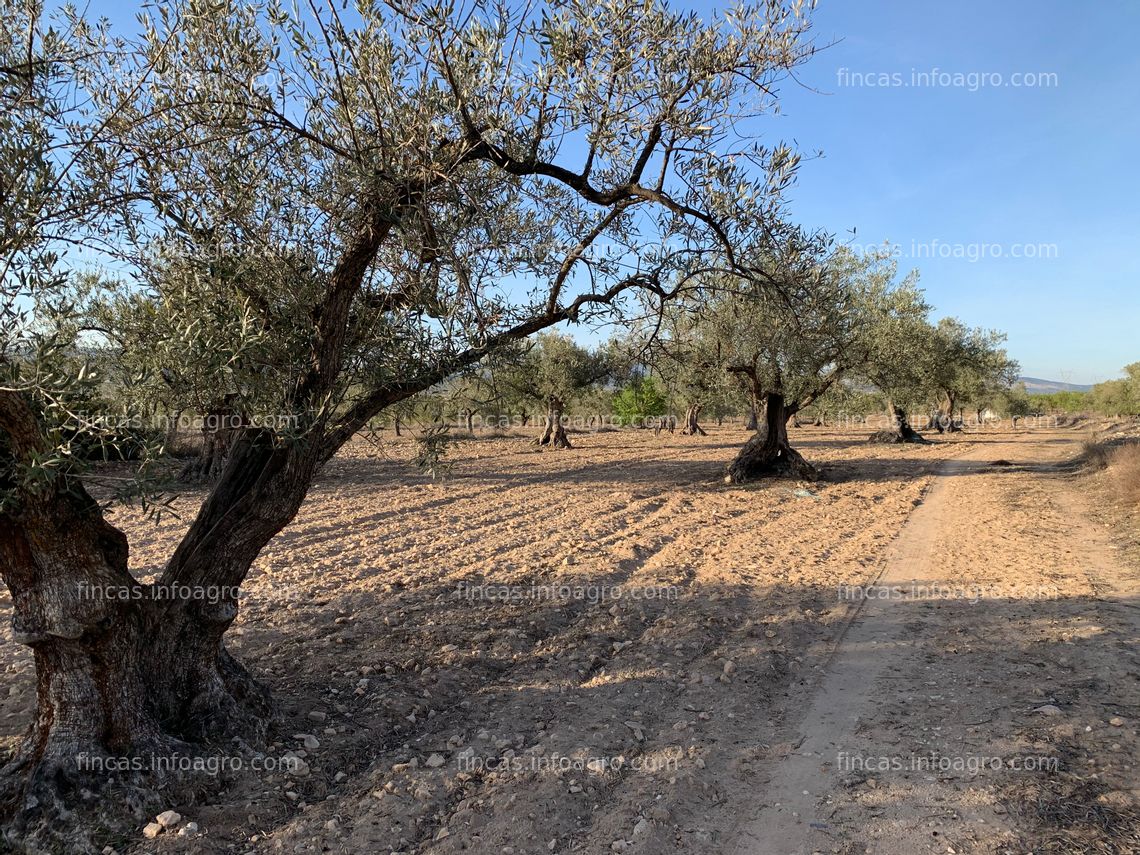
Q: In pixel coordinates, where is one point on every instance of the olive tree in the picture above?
(551, 372)
(967, 364)
(791, 352)
(900, 365)
(369, 206)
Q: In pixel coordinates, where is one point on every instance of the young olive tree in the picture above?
(330, 216)
(1016, 403)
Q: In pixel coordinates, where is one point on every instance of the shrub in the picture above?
(639, 401)
(431, 449)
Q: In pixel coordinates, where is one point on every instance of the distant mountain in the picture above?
(1036, 386)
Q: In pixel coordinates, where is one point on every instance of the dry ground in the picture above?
(570, 719)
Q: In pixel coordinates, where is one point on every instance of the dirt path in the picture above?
(951, 698)
(846, 696)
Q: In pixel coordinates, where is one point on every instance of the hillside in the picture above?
(1037, 386)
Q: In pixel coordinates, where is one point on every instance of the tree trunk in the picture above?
(170, 437)
(944, 422)
(554, 434)
(125, 670)
(469, 420)
(900, 430)
(768, 452)
(692, 427)
(397, 426)
(219, 429)
(752, 423)
(937, 421)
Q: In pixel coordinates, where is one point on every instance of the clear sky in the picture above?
(1020, 204)
(964, 177)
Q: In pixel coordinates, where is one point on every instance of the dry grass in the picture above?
(1124, 467)
(1074, 816)
(1095, 452)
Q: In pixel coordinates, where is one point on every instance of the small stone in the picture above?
(310, 742)
(435, 761)
(1048, 709)
(317, 715)
(298, 768)
(332, 827)
(152, 830)
(188, 829)
(729, 668)
(168, 819)
(442, 833)
(1116, 721)
(642, 828)
(338, 777)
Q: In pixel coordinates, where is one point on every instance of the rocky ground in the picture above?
(608, 649)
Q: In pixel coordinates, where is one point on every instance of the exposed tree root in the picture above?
(760, 458)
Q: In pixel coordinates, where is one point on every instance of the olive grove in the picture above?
(312, 217)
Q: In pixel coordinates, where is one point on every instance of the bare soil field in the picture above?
(608, 649)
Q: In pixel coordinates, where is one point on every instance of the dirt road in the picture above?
(1000, 643)
(610, 650)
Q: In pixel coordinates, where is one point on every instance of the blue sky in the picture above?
(961, 175)
(953, 174)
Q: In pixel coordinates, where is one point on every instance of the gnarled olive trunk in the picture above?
(126, 670)
(900, 429)
(768, 452)
(220, 427)
(944, 421)
(554, 433)
(692, 426)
